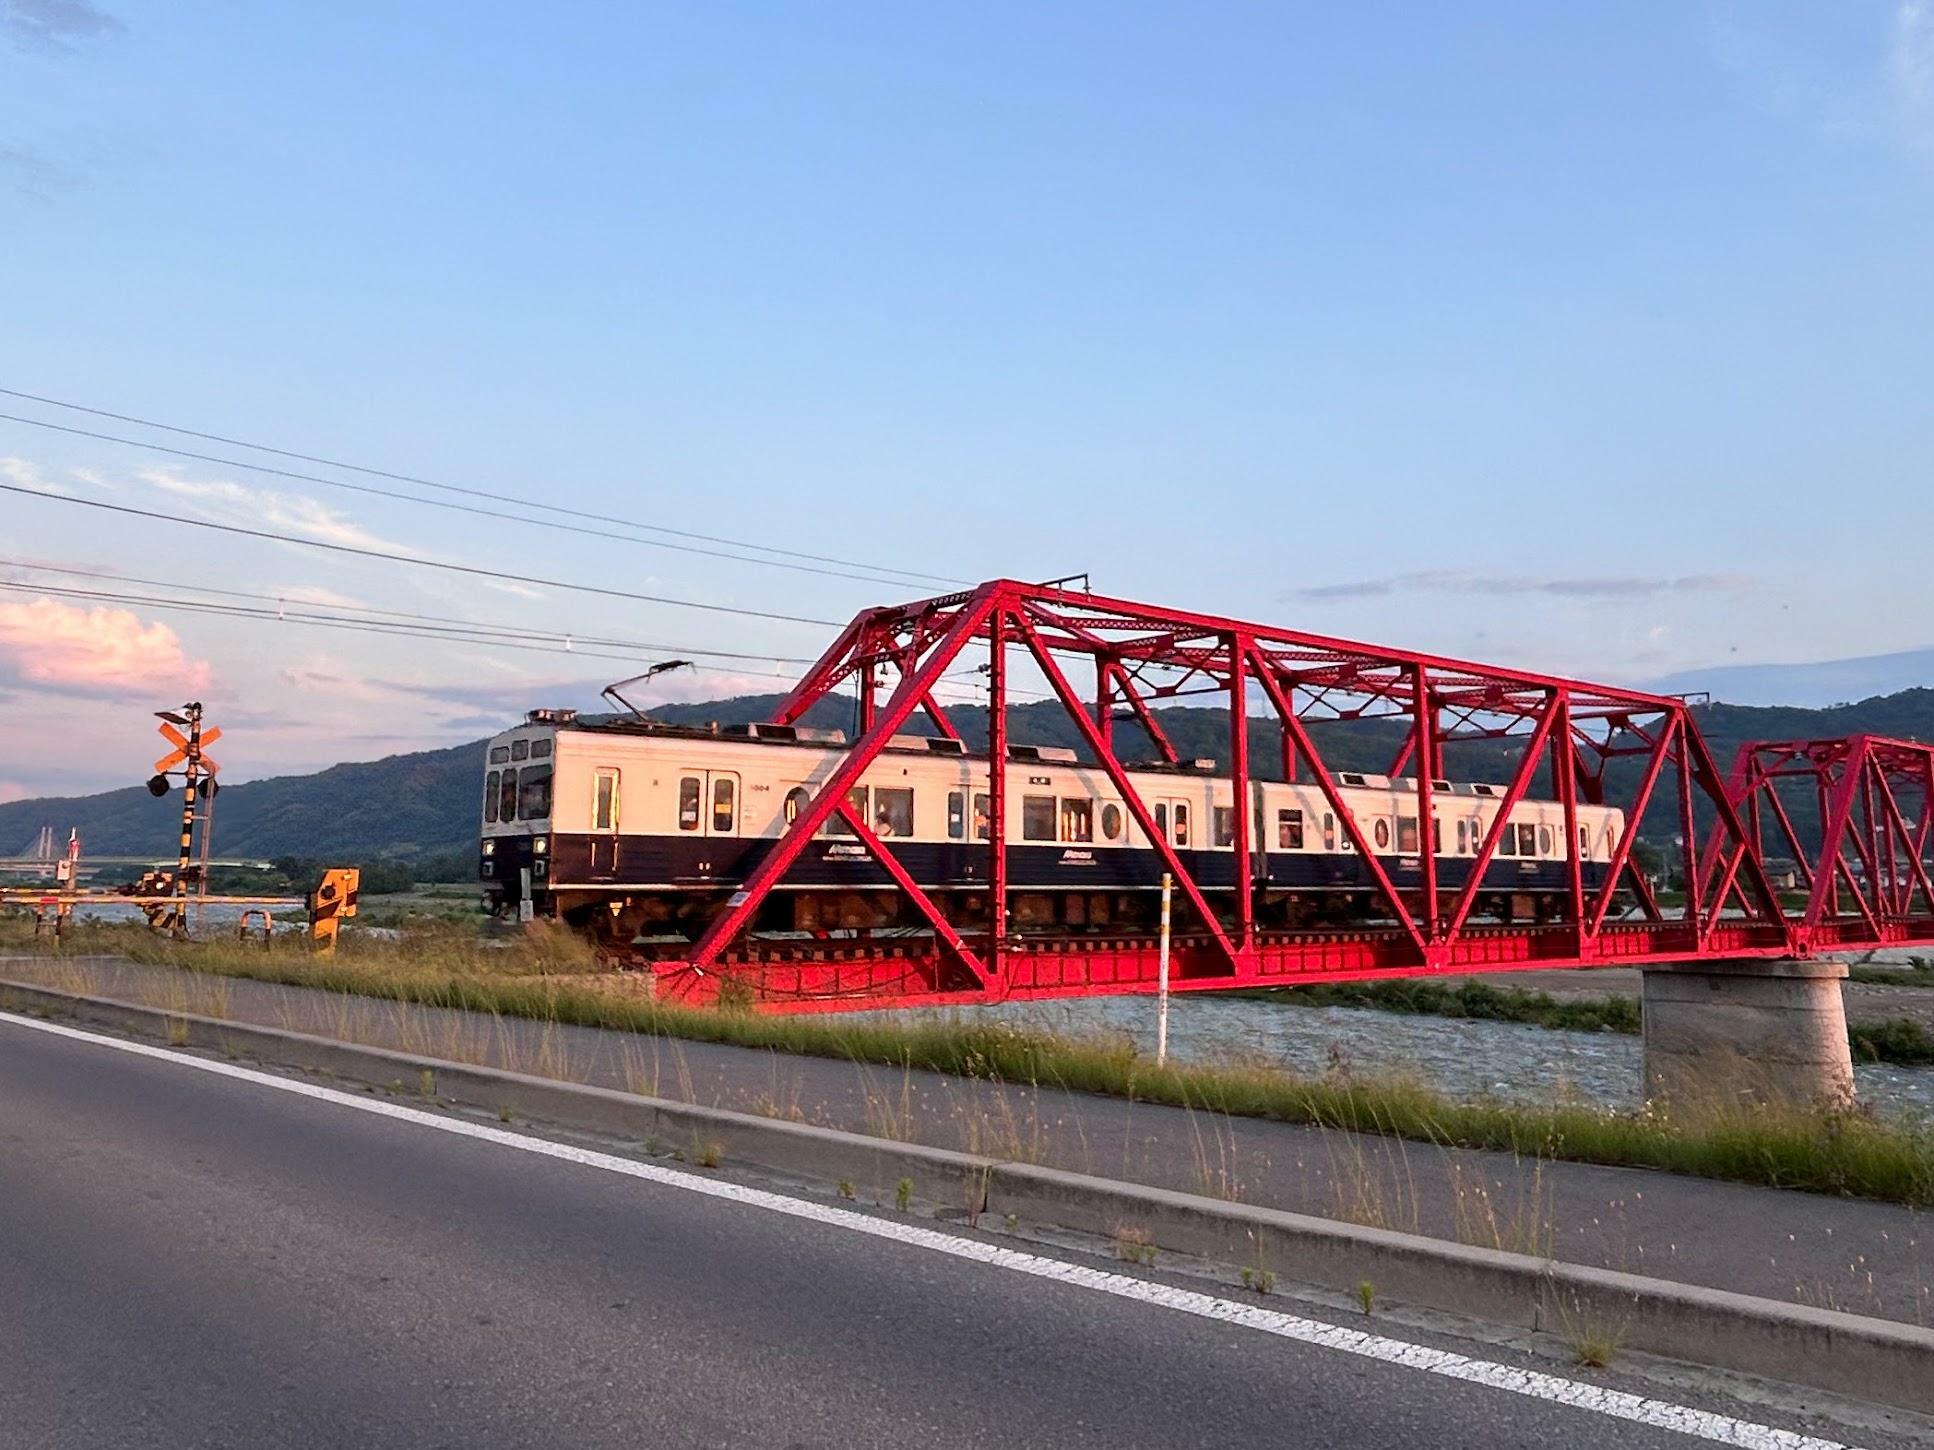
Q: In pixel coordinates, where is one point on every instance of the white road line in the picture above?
(1686, 1421)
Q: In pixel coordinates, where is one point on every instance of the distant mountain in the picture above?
(423, 807)
(1830, 682)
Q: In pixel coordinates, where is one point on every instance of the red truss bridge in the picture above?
(1583, 746)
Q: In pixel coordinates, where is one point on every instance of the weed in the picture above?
(426, 1083)
(177, 1032)
(1836, 1153)
(1134, 1245)
(709, 1155)
(1263, 1281)
(846, 1189)
(903, 1194)
(503, 1115)
(1593, 1340)
(1366, 1295)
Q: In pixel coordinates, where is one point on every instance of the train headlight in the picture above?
(490, 848)
(541, 845)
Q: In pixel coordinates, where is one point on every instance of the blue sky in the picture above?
(1591, 337)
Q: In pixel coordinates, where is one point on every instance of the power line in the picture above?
(570, 640)
(493, 637)
(473, 570)
(402, 629)
(355, 626)
(392, 494)
(435, 484)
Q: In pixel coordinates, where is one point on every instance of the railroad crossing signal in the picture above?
(186, 748)
(197, 772)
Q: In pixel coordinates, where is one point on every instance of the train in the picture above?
(637, 833)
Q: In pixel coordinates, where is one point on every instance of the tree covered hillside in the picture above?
(418, 807)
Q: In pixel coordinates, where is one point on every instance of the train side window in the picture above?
(491, 784)
(1508, 841)
(1407, 837)
(1181, 823)
(1463, 837)
(836, 823)
(604, 801)
(893, 811)
(796, 799)
(1289, 830)
(1077, 818)
(956, 814)
(1111, 822)
(507, 797)
(1584, 842)
(689, 787)
(533, 794)
(541, 749)
(983, 817)
(1436, 836)
(1544, 840)
(1527, 839)
(1225, 826)
(1382, 834)
(499, 754)
(725, 804)
(1161, 819)
(1037, 818)
(1329, 831)
(520, 749)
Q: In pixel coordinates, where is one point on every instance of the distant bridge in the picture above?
(155, 863)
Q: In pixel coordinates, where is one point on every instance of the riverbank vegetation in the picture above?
(550, 976)
(1901, 1041)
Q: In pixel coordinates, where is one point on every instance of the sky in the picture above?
(1589, 338)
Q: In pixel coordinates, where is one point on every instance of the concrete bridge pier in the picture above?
(1730, 1032)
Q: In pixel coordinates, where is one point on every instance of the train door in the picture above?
(605, 850)
(709, 812)
(1175, 818)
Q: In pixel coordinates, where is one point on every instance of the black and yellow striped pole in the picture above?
(191, 778)
(197, 771)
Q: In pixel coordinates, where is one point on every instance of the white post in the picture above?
(1161, 979)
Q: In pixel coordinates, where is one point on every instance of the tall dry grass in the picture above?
(551, 978)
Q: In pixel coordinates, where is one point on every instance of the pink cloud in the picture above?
(94, 651)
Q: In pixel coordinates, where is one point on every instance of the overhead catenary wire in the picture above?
(541, 643)
(841, 568)
(475, 571)
(472, 509)
(401, 629)
(571, 640)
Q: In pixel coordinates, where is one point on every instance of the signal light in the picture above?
(158, 785)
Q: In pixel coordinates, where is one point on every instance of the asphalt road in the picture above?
(1862, 1257)
(189, 1259)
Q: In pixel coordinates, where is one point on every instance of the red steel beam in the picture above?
(1866, 787)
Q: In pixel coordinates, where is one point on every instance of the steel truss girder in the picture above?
(1139, 653)
(1871, 854)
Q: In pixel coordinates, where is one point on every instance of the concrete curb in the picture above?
(1848, 1354)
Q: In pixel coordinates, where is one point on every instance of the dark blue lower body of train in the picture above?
(620, 885)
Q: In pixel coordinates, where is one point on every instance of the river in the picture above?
(1459, 1057)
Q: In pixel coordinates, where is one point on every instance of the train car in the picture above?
(632, 830)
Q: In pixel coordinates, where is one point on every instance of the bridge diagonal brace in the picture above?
(1320, 775)
(942, 928)
(1131, 797)
(833, 791)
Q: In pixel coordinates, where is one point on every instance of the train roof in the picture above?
(772, 734)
